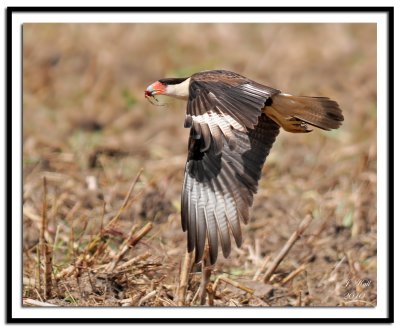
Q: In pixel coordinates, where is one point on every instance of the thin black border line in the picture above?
(8, 121)
(390, 178)
(219, 9)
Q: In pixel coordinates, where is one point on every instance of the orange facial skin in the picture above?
(157, 88)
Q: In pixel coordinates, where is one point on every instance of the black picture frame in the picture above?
(389, 11)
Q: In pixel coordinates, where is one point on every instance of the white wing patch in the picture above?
(219, 122)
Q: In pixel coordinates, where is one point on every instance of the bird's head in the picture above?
(156, 88)
(174, 87)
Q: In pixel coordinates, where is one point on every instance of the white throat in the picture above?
(180, 91)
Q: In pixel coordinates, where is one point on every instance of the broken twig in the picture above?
(184, 278)
(286, 248)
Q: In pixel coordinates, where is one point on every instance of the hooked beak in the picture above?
(149, 92)
(157, 88)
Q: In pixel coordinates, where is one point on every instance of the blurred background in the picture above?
(88, 129)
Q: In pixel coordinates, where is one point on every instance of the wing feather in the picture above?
(211, 222)
(229, 141)
(201, 224)
(222, 221)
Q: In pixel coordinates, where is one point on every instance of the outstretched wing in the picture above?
(220, 101)
(229, 141)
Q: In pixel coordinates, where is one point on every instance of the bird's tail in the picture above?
(296, 113)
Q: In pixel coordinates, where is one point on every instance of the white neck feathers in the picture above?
(180, 90)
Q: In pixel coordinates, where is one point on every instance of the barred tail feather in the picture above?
(296, 113)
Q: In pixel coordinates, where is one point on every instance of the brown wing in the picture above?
(229, 141)
(220, 101)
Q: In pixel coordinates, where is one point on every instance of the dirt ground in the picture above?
(88, 133)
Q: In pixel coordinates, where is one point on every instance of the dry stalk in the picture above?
(195, 297)
(129, 242)
(71, 250)
(69, 294)
(122, 251)
(128, 195)
(298, 303)
(321, 228)
(38, 295)
(214, 287)
(46, 250)
(205, 279)
(133, 261)
(184, 278)
(167, 302)
(333, 273)
(67, 271)
(99, 242)
(83, 257)
(286, 248)
(236, 284)
(38, 276)
(293, 274)
(211, 289)
(131, 301)
(133, 241)
(210, 293)
(96, 247)
(126, 302)
(206, 269)
(257, 275)
(147, 297)
(34, 302)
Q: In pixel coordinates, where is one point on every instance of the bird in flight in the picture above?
(233, 123)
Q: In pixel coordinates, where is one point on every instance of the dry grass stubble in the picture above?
(96, 236)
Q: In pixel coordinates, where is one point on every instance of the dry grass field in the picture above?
(103, 168)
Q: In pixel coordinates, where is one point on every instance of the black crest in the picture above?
(172, 81)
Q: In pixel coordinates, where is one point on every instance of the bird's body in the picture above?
(233, 123)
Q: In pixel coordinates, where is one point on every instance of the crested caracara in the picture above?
(233, 123)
